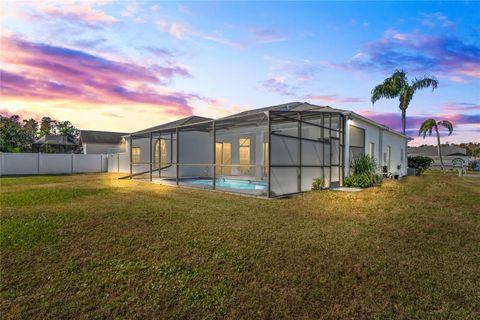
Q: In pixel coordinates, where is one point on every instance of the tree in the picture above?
(30, 127)
(398, 86)
(47, 126)
(428, 126)
(66, 128)
(14, 137)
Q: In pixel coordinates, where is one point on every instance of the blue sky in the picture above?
(115, 65)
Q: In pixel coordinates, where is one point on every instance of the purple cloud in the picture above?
(443, 55)
(393, 120)
(58, 73)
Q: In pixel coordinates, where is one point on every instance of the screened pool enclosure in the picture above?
(270, 152)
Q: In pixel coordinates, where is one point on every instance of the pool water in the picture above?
(228, 183)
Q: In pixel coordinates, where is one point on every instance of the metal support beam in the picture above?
(299, 180)
(177, 155)
(269, 143)
(159, 155)
(214, 155)
(131, 160)
(322, 137)
(330, 141)
(151, 155)
(343, 149)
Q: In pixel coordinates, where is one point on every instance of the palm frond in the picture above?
(384, 91)
(423, 83)
(390, 87)
(427, 127)
(447, 124)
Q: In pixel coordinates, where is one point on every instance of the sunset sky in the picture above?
(124, 66)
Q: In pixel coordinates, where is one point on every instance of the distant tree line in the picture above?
(18, 136)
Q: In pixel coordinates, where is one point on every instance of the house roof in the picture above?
(55, 140)
(93, 136)
(433, 151)
(172, 124)
(255, 116)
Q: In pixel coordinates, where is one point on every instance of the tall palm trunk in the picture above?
(404, 120)
(439, 149)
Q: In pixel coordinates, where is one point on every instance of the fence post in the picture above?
(72, 164)
(38, 163)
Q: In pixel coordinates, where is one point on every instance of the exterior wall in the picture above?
(381, 139)
(399, 146)
(102, 148)
(48, 163)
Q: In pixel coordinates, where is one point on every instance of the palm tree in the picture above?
(427, 127)
(397, 85)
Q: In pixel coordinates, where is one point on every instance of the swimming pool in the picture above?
(227, 183)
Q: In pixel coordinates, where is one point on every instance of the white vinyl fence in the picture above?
(51, 163)
(119, 162)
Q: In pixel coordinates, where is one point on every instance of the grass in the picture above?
(91, 246)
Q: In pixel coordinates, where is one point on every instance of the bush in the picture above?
(317, 184)
(363, 173)
(419, 163)
(473, 165)
(363, 164)
(359, 181)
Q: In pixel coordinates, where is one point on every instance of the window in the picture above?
(161, 161)
(135, 154)
(244, 155)
(401, 156)
(357, 142)
(265, 158)
(371, 151)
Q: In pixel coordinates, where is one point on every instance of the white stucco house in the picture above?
(102, 142)
(270, 152)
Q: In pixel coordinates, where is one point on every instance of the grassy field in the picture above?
(91, 246)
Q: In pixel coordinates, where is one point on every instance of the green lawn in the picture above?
(92, 246)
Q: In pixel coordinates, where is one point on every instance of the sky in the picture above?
(124, 66)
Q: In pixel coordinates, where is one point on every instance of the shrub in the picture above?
(363, 164)
(419, 163)
(317, 184)
(363, 173)
(473, 165)
(359, 181)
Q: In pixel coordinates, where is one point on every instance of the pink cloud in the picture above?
(332, 99)
(178, 30)
(460, 106)
(23, 114)
(38, 72)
